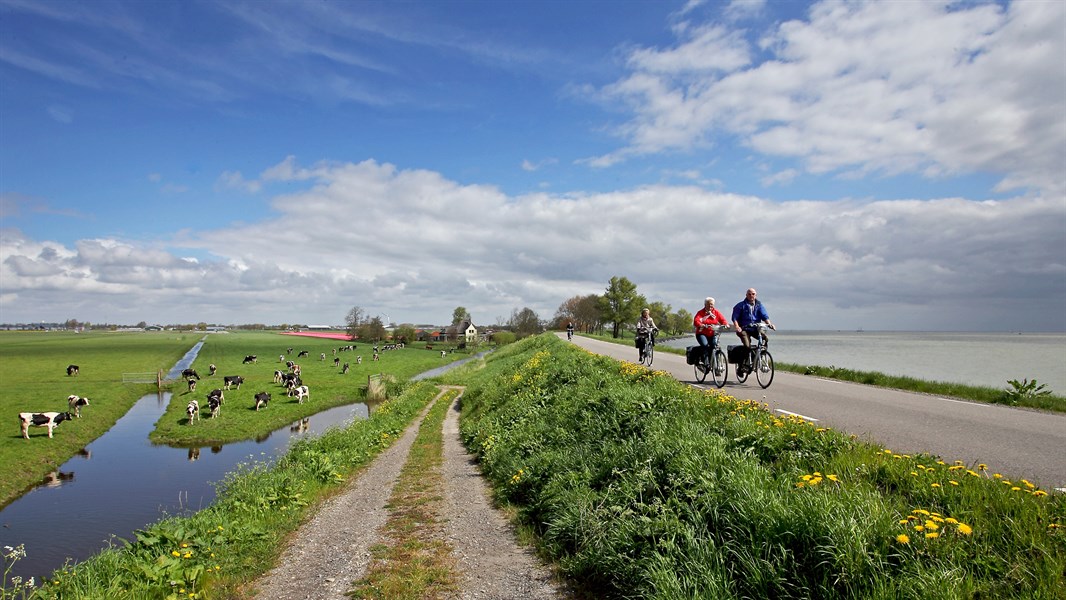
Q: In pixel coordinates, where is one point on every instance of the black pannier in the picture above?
(737, 354)
(693, 354)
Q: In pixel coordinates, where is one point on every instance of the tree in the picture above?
(405, 333)
(525, 322)
(681, 321)
(501, 338)
(459, 315)
(621, 303)
(355, 319)
(372, 330)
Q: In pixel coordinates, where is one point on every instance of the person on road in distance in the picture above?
(747, 314)
(645, 329)
(704, 321)
(570, 330)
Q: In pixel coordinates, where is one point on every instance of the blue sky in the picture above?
(889, 165)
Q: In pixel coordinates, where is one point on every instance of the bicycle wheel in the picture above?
(649, 354)
(764, 369)
(719, 367)
(701, 369)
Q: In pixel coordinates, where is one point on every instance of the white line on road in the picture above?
(811, 419)
(981, 404)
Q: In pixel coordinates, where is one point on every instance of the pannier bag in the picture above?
(639, 342)
(737, 354)
(693, 354)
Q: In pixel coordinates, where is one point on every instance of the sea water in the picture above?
(980, 359)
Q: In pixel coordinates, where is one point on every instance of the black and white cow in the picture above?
(301, 393)
(301, 354)
(278, 375)
(215, 404)
(73, 370)
(212, 368)
(251, 358)
(192, 411)
(44, 419)
(74, 402)
(261, 400)
(191, 383)
(187, 373)
(345, 369)
(231, 380)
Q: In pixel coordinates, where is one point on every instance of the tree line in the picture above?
(619, 307)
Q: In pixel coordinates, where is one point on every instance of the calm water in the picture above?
(983, 359)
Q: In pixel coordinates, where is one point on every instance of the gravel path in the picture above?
(332, 550)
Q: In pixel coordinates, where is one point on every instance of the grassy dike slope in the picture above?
(640, 486)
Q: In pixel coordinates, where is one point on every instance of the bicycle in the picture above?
(569, 334)
(646, 354)
(713, 361)
(758, 355)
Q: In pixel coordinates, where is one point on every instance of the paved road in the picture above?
(1016, 442)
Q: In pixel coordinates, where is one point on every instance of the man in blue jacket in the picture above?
(746, 314)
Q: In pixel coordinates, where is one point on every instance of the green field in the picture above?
(34, 379)
(33, 373)
(238, 418)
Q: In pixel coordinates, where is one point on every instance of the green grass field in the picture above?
(238, 418)
(33, 373)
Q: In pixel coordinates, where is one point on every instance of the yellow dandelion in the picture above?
(800, 484)
(931, 526)
(951, 521)
(965, 529)
(921, 512)
(175, 553)
(997, 476)
(1016, 489)
(914, 473)
(1040, 493)
(188, 555)
(953, 482)
(184, 545)
(903, 538)
(903, 521)
(932, 535)
(982, 467)
(919, 528)
(833, 478)
(936, 485)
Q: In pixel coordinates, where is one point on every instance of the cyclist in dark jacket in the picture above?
(747, 314)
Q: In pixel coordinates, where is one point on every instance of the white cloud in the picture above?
(415, 244)
(933, 88)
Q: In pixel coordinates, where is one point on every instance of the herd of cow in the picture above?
(289, 379)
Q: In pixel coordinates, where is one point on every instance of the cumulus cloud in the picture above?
(414, 244)
(933, 88)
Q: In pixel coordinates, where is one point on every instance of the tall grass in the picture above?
(640, 486)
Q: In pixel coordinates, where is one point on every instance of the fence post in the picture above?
(159, 380)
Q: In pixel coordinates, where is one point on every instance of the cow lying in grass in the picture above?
(45, 419)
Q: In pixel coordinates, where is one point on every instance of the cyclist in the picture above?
(570, 330)
(645, 330)
(748, 313)
(704, 321)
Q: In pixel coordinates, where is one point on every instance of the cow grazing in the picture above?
(73, 370)
(212, 368)
(344, 370)
(322, 356)
(336, 362)
(215, 404)
(278, 375)
(74, 402)
(192, 411)
(301, 354)
(359, 360)
(45, 419)
(187, 373)
(232, 380)
(251, 358)
(301, 393)
(191, 383)
(261, 400)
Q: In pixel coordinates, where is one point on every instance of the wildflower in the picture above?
(832, 478)
(1040, 493)
(184, 545)
(982, 467)
(175, 553)
(188, 555)
(903, 538)
(919, 528)
(931, 526)
(997, 476)
(914, 473)
(936, 485)
(932, 535)
(920, 511)
(1015, 489)
(953, 482)
(965, 529)
(951, 521)
(903, 521)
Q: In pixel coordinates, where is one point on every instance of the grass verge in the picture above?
(640, 486)
(414, 561)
